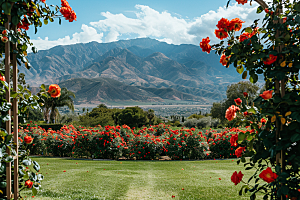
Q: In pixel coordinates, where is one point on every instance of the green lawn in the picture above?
(88, 180)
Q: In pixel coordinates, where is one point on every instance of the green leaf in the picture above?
(249, 137)
(243, 159)
(251, 110)
(253, 78)
(297, 7)
(34, 191)
(287, 37)
(293, 126)
(43, 87)
(8, 138)
(240, 69)
(244, 76)
(283, 190)
(2, 169)
(235, 49)
(241, 190)
(248, 30)
(3, 184)
(259, 9)
(15, 20)
(3, 133)
(26, 176)
(9, 159)
(34, 50)
(6, 6)
(253, 196)
(36, 166)
(295, 137)
(45, 21)
(20, 87)
(241, 137)
(26, 162)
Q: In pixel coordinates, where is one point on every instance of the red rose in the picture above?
(270, 60)
(231, 112)
(237, 177)
(244, 36)
(267, 94)
(221, 34)
(2, 78)
(284, 19)
(242, 1)
(238, 101)
(267, 10)
(24, 25)
(204, 45)
(4, 32)
(28, 139)
(54, 90)
(236, 24)
(268, 175)
(238, 152)
(223, 23)
(263, 120)
(28, 183)
(233, 140)
(245, 94)
(67, 11)
(4, 39)
(224, 60)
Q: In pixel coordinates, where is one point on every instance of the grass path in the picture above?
(99, 180)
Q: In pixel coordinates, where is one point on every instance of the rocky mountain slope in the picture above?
(144, 62)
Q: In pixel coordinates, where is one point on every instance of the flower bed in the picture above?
(114, 142)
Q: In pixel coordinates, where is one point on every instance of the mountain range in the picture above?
(141, 69)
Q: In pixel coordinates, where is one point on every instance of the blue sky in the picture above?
(172, 21)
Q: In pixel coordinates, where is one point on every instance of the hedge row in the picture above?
(114, 142)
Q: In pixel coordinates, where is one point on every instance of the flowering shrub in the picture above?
(273, 51)
(114, 142)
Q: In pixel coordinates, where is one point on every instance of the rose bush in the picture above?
(114, 142)
(272, 51)
(17, 16)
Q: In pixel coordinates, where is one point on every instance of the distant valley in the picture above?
(141, 70)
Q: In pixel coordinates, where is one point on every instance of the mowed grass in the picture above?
(95, 180)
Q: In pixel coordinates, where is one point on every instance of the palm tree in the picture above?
(51, 104)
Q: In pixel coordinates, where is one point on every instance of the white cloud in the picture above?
(88, 34)
(171, 29)
(148, 23)
(159, 25)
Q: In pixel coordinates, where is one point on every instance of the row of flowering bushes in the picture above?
(113, 142)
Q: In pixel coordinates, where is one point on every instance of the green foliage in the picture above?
(196, 116)
(68, 118)
(98, 116)
(234, 91)
(133, 117)
(203, 122)
(34, 114)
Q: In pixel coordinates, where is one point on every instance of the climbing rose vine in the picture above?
(272, 150)
(17, 17)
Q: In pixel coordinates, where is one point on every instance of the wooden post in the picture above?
(16, 120)
(8, 123)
